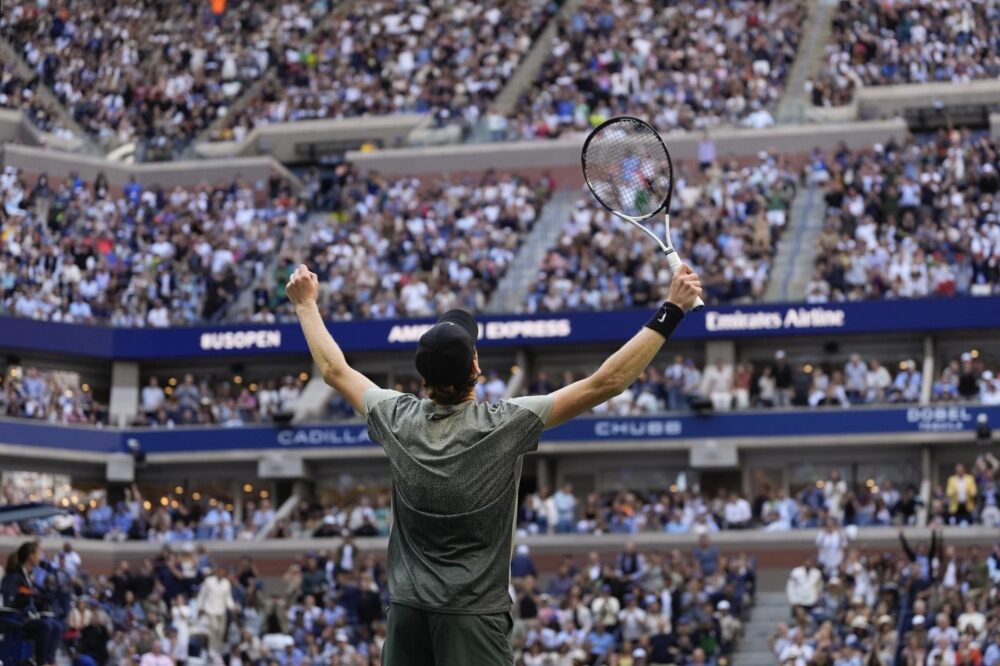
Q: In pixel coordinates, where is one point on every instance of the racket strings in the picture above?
(627, 167)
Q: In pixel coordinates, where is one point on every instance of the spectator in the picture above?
(961, 496)
(155, 656)
(717, 384)
(831, 544)
(706, 555)
(21, 593)
(565, 504)
(521, 565)
(805, 584)
(215, 599)
(737, 512)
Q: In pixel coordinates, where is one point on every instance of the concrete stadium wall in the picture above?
(59, 165)
(310, 139)
(772, 550)
(562, 157)
(890, 101)
(16, 128)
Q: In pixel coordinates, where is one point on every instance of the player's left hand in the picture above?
(303, 287)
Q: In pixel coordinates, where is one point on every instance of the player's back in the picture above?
(455, 478)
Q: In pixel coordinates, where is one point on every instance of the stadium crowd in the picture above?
(57, 397)
(207, 400)
(178, 514)
(679, 65)
(234, 400)
(77, 252)
(410, 247)
(727, 229)
(930, 605)
(152, 72)
(446, 59)
(909, 220)
(969, 496)
(722, 386)
(184, 607)
(907, 41)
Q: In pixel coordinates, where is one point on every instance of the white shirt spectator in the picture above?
(738, 511)
(804, 586)
(158, 317)
(153, 398)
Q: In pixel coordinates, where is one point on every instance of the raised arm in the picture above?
(624, 366)
(302, 289)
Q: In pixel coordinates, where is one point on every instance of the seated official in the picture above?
(20, 593)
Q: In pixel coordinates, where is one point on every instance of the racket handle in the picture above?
(675, 264)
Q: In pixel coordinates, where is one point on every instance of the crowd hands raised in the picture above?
(909, 220)
(930, 605)
(155, 73)
(969, 496)
(76, 252)
(726, 226)
(906, 41)
(677, 65)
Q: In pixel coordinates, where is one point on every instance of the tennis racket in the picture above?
(628, 169)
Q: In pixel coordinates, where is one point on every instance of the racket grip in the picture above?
(675, 263)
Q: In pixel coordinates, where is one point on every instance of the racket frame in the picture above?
(666, 244)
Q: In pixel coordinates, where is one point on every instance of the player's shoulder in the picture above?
(539, 405)
(376, 396)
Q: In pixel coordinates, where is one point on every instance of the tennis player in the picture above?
(456, 465)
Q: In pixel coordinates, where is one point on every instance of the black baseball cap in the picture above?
(444, 353)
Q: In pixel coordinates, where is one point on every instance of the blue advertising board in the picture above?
(760, 423)
(753, 321)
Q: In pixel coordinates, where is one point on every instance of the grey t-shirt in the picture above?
(455, 472)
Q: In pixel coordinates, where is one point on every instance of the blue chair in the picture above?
(14, 648)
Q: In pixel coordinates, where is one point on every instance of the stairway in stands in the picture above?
(795, 103)
(792, 267)
(770, 609)
(11, 54)
(523, 271)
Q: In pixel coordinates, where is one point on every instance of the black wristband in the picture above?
(666, 319)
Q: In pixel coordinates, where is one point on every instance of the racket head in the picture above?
(628, 168)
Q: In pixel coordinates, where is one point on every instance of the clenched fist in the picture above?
(302, 287)
(685, 288)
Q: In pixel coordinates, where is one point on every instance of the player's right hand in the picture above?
(685, 288)
(302, 287)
